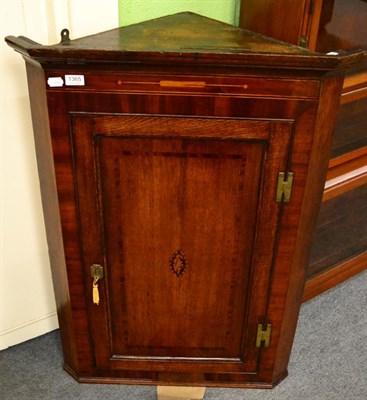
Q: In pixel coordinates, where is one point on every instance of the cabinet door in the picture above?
(181, 213)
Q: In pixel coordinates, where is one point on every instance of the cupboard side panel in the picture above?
(66, 192)
(50, 205)
(315, 180)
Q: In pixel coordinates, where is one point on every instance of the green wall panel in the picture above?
(133, 11)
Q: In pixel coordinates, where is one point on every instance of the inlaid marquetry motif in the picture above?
(178, 263)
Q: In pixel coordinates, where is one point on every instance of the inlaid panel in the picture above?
(180, 216)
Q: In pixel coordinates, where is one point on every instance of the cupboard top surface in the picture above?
(179, 38)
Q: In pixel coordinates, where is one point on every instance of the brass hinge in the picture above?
(263, 335)
(303, 41)
(284, 187)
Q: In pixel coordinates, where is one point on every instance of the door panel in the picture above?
(179, 208)
(172, 207)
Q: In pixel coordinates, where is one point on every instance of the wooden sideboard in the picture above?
(182, 163)
(340, 244)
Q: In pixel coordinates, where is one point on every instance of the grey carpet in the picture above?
(329, 360)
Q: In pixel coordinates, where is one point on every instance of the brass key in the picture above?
(97, 274)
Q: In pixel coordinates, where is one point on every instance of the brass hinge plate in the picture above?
(303, 41)
(284, 187)
(263, 335)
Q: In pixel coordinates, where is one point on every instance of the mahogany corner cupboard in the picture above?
(182, 164)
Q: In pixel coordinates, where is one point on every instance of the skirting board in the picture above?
(28, 330)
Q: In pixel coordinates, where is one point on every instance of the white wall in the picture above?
(27, 307)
